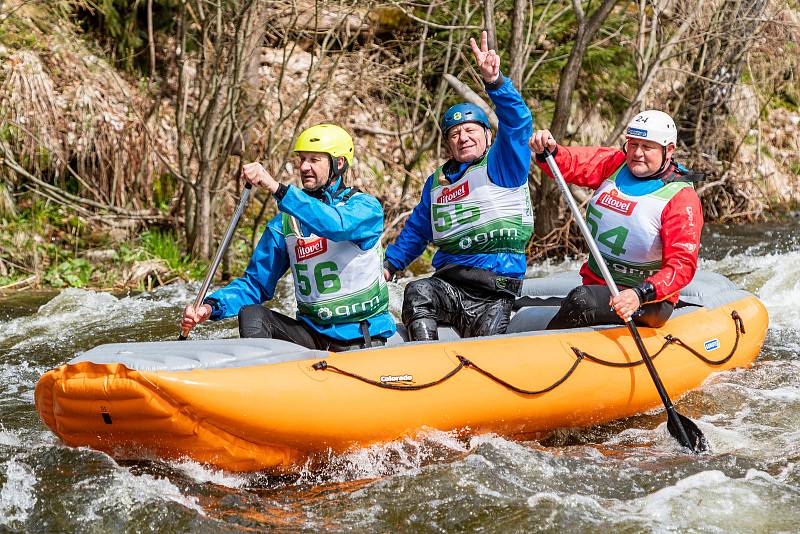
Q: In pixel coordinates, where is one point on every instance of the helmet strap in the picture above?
(664, 163)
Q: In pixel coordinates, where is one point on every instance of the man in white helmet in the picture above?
(644, 216)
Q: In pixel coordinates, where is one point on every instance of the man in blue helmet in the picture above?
(476, 208)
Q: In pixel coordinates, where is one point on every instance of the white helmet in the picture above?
(653, 125)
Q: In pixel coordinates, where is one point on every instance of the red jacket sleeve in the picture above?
(586, 166)
(681, 225)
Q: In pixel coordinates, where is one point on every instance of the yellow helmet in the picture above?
(327, 138)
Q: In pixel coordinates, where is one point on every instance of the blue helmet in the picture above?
(464, 112)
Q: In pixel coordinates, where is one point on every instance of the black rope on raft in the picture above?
(325, 366)
(463, 362)
(669, 339)
(579, 357)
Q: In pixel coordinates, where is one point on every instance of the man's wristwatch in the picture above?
(646, 292)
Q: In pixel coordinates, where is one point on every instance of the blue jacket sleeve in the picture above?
(269, 262)
(416, 233)
(509, 158)
(359, 220)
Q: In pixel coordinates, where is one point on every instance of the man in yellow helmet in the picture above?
(328, 234)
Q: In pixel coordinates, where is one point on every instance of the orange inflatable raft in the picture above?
(250, 404)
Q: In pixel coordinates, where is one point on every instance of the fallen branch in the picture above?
(429, 24)
(380, 131)
(24, 282)
(74, 200)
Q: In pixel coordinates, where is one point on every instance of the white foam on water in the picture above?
(77, 309)
(399, 457)
(202, 332)
(712, 501)
(552, 266)
(574, 506)
(633, 436)
(19, 379)
(202, 473)
(174, 294)
(781, 394)
(9, 438)
(723, 436)
(563, 500)
(126, 491)
(17, 496)
(774, 278)
(518, 465)
(363, 516)
(396, 292)
(724, 440)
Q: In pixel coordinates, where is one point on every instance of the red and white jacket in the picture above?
(681, 219)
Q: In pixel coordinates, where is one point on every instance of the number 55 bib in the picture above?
(475, 216)
(627, 229)
(336, 282)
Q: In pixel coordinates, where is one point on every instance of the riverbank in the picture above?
(48, 246)
(98, 188)
(47, 249)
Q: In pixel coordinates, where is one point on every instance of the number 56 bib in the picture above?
(336, 282)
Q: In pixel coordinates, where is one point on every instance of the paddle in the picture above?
(223, 246)
(680, 427)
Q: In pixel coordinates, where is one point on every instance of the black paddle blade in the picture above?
(693, 438)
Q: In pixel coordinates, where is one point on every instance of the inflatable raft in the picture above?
(257, 404)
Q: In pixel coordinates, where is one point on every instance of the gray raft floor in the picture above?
(708, 289)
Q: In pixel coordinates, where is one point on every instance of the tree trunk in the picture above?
(647, 65)
(718, 66)
(488, 23)
(226, 37)
(517, 47)
(204, 223)
(546, 197)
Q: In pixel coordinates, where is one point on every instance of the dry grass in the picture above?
(70, 117)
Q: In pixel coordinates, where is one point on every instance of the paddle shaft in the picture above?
(223, 246)
(601, 264)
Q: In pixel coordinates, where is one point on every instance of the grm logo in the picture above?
(637, 131)
(711, 344)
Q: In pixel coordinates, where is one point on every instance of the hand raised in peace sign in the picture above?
(488, 60)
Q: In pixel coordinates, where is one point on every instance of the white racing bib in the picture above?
(627, 229)
(336, 282)
(476, 216)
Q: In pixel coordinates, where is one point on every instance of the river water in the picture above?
(627, 476)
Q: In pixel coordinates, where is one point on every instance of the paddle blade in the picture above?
(692, 438)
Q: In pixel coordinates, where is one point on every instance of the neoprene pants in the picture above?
(588, 306)
(471, 313)
(257, 321)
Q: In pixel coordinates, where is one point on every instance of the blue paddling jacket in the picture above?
(358, 219)
(508, 163)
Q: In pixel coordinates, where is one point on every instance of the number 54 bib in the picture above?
(627, 229)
